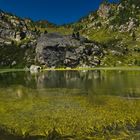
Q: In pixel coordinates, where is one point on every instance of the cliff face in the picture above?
(116, 28)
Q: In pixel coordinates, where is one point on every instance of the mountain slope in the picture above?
(113, 28)
(16, 38)
(117, 26)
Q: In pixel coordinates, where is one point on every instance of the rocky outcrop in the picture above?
(104, 11)
(13, 28)
(55, 50)
(121, 17)
(17, 41)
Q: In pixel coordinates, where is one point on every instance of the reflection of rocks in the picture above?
(21, 85)
(55, 50)
(50, 79)
(66, 79)
(48, 84)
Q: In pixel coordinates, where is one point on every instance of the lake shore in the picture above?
(72, 69)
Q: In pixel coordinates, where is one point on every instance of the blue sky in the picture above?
(56, 11)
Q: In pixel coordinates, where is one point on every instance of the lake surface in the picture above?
(72, 102)
(86, 83)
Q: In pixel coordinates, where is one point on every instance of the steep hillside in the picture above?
(117, 26)
(17, 37)
(114, 30)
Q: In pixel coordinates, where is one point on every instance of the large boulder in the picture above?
(56, 50)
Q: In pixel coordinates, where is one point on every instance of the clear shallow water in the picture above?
(67, 100)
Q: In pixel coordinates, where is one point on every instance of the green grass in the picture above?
(105, 35)
(61, 30)
(112, 39)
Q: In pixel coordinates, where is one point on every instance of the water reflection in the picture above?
(120, 83)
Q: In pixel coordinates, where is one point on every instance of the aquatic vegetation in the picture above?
(81, 107)
(71, 116)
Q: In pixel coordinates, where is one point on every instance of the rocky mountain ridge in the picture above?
(122, 17)
(109, 36)
(117, 26)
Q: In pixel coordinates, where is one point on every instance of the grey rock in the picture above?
(35, 69)
(104, 11)
(13, 63)
(58, 50)
(23, 46)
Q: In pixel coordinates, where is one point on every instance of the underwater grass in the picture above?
(72, 116)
